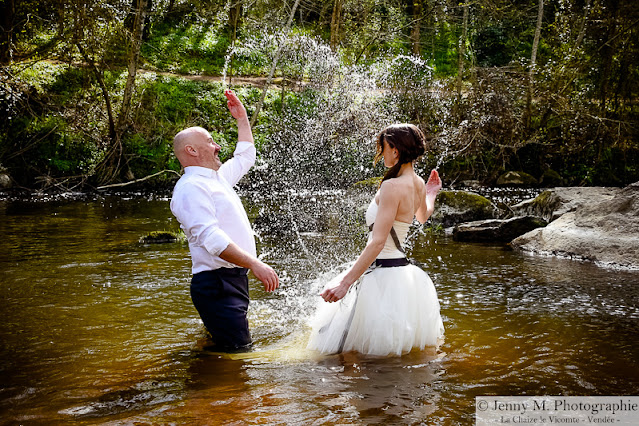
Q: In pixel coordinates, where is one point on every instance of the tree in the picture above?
(462, 49)
(415, 11)
(335, 23)
(7, 16)
(112, 161)
(533, 63)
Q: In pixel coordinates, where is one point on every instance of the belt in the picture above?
(232, 272)
(391, 263)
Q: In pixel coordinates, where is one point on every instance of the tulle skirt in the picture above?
(388, 311)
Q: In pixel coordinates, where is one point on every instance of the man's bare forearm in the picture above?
(244, 133)
(234, 254)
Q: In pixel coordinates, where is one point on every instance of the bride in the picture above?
(392, 305)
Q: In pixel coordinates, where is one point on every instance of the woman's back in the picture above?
(411, 190)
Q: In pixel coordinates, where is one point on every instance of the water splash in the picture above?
(321, 138)
(227, 62)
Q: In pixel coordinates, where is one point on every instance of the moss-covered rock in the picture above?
(603, 230)
(371, 182)
(452, 207)
(553, 203)
(160, 237)
(516, 179)
(551, 178)
(5, 181)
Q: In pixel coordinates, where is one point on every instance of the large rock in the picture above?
(604, 230)
(551, 178)
(496, 230)
(5, 181)
(516, 179)
(551, 204)
(452, 207)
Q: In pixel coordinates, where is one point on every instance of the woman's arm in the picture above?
(388, 204)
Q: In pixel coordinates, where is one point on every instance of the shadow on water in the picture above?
(100, 329)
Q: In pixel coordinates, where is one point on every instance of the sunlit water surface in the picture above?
(99, 329)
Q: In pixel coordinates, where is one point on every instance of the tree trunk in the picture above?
(134, 58)
(533, 62)
(276, 58)
(105, 92)
(607, 56)
(415, 33)
(335, 21)
(582, 32)
(462, 50)
(235, 13)
(111, 165)
(7, 10)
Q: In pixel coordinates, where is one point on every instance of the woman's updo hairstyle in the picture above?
(407, 139)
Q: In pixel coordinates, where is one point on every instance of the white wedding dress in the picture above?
(389, 310)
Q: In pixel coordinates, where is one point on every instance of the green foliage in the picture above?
(581, 121)
(68, 84)
(59, 152)
(188, 49)
(492, 46)
(435, 229)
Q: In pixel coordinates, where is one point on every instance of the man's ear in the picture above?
(190, 150)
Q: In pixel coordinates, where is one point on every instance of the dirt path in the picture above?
(234, 80)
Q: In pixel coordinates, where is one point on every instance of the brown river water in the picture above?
(99, 329)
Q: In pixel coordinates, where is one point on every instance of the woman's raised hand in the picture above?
(433, 185)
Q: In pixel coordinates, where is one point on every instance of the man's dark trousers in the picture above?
(221, 298)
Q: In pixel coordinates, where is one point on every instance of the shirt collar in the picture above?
(202, 171)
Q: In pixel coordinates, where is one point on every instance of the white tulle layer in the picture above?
(393, 311)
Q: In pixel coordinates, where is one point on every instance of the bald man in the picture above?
(220, 236)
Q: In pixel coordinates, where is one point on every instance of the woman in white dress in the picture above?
(392, 305)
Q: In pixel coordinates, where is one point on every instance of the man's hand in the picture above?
(235, 105)
(238, 111)
(267, 275)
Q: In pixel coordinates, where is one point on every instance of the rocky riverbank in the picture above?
(603, 229)
(594, 224)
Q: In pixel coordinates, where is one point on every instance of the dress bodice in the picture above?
(390, 250)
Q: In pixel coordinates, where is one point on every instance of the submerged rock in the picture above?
(496, 230)
(452, 207)
(603, 229)
(160, 237)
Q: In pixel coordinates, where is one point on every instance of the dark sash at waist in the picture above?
(391, 263)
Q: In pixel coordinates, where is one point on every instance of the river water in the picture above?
(99, 329)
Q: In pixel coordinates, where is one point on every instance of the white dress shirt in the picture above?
(211, 213)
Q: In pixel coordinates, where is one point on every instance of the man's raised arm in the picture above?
(244, 133)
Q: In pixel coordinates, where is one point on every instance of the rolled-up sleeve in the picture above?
(196, 212)
(241, 162)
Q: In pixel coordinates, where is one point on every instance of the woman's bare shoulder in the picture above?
(390, 188)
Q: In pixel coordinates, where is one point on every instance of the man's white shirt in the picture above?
(211, 213)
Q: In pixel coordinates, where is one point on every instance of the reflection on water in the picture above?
(98, 328)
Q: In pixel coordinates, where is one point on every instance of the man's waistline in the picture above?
(229, 272)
